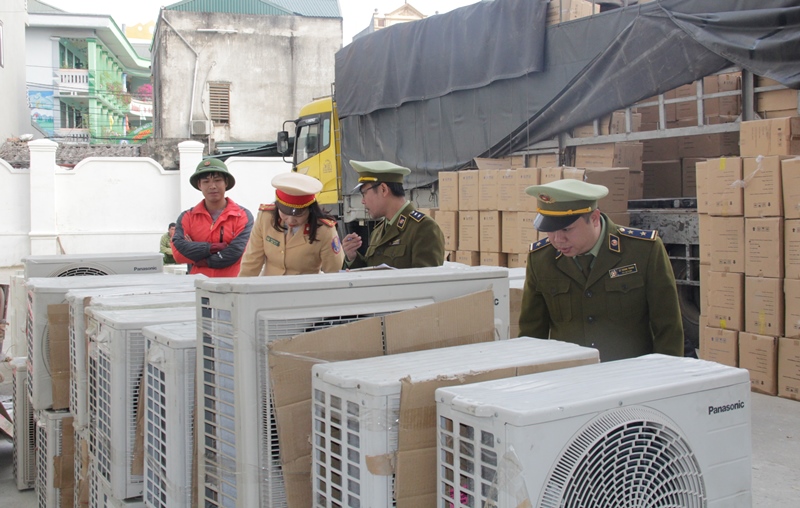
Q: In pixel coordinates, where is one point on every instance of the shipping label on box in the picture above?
(764, 247)
(790, 179)
(662, 179)
(721, 346)
(724, 185)
(789, 368)
(507, 196)
(759, 354)
(448, 223)
(726, 300)
(791, 304)
(791, 250)
(763, 192)
(468, 183)
(491, 228)
(727, 244)
(487, 190)
(763, 305)
(526, 177)
(448, 190)
(469, 230)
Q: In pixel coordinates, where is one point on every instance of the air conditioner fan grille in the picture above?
(80, 271)
(627, 457)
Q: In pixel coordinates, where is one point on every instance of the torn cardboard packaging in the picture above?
(464, 320)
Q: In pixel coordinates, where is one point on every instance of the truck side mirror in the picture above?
(283, 142)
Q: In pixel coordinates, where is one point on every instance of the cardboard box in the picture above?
(650, 113)
(448, 190)
(689, 176)
(487, 190)
(450, 255)
(545, 160)
(721, 346)
(791, 305)
(791, 249)
(662, 179)
(777, 136)
(764, 247)
(635, 184)
(759, 354)
(58, 333)
(789, 368)
(790, 179)
(517, 161)
(549, 174)
(701, 173)
(687, 110)
(517, 261)
(517, 232)
(468, 184)
(763, 190)
(468, 257)
(559, 11)
(620, 218)
(528, 232)
(469, 230)
(494, 259)
(724, 186)
(491, 228)
(507, 196)
(705, 233)
(609, 124)
(726, 300)
(526, 177)
(705, 273)
(763, 305)
(776, 100)
(615, 179)
(727, 244)
(659, 149)
(514, 308)
(498, 163)
(448, 223)
(610, 155)
(464, 320)
(709, 145)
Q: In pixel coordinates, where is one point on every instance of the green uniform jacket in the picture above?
(628, 307)
(413, 241)
(166, 249)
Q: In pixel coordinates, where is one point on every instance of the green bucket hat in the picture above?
(212, 166)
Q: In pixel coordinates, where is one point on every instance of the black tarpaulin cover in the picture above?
(432, 95)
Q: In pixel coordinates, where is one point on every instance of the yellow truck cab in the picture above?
(317, 149)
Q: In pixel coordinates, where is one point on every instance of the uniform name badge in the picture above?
(622, 271)
(273, 241)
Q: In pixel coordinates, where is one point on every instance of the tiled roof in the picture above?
(308, 8)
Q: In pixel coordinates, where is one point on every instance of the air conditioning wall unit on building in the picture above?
(356, 408)
(202, 127)
(24, 427)
(181, 294)
(51, 427)
(169, 414)
(93, 264)
(239, 457)
(46, 291)
(649, 431)
(120, 366)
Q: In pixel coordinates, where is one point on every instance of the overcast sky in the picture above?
(355, 13)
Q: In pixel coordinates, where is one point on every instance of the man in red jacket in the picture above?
(212, 236)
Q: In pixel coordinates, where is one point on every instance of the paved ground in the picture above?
(776, 454)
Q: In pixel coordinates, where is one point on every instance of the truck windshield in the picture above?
(312, 138)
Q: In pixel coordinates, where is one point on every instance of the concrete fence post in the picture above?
(191, 153)
(43, 234)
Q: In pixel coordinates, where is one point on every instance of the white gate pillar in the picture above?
(43, 234)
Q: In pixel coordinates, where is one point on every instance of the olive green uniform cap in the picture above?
(560, 203)
(378, 171)
(212, 166)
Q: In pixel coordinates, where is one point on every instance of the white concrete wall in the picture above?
(109, 205)
(15, 118)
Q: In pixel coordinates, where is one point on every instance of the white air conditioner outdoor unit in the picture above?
(83, 469)
(93, 264)
(653, 431)
(43, 292)
(356, 408)
(169, 414)
(176, 269)
(239, 458)
(107, 499)
(24, 427)
(119, 370)
(17, 315)
(181, 294)
(201, 127)
(49, 432)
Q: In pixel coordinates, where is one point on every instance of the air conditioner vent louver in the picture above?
(80, 271)
(623, 455)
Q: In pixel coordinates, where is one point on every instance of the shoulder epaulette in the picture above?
(417, 215)
(328, 222)
(641, 234)
(268, 207)
(541, 244)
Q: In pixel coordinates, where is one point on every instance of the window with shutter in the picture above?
(219, 102)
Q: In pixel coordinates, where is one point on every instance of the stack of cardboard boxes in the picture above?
(749, 210)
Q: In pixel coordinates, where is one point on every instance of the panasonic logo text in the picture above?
(145, 269)
(713, 410)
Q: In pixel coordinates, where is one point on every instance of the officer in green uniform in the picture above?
(405, 238)
(597, 284)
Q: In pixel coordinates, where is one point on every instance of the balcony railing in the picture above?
(73, 81)
(72, 135)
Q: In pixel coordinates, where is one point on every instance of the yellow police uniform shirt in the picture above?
(272, 252)
(627, 307)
